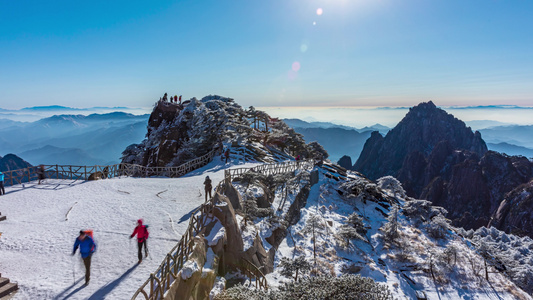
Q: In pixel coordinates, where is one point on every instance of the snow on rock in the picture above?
(248, 232)
(189, 268)
(210, 260)
(218, 287)
(216, 233)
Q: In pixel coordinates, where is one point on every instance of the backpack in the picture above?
(89, 232)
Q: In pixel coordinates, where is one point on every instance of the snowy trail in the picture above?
(43, 221)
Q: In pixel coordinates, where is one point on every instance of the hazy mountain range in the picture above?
(338, 140)
(100, 138)
(73, 139)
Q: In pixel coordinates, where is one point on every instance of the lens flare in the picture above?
(303, 48)
(292, 75)
(295, 66)
(319, 11)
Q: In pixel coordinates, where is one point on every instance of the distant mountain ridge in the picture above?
(73, 139)
(12, 162)
(338, 140)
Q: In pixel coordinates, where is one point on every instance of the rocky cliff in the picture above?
(177, 133)
(515, 213)
(436, 157)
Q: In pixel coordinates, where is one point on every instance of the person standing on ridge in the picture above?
(208, 187)
(175, 98)
(87, 248)
(2, 190)
(40, 173)
(142, 235)
(226, 154)
(180, 99)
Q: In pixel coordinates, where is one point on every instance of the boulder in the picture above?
(345, 162)
(187, 283)
(233, 196)
(96, 176)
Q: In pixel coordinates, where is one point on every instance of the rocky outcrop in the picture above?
(345, 162)
(515, 213)
(197, 276)
(438, 158)
(179, 133)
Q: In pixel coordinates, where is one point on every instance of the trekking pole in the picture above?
(149, 255)
(73, 272)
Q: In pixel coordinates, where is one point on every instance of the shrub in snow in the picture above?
(251, 211)
(449, 255)
(348, 233)
(317, 151)
(389, 183)
(290, 268)
(239, 292)
(438, 227)
(508, 253)
(330, 287)
(277, 222)
(356, 222)
(421, 210)
(320, 287)
(353, 228)
(390, 229)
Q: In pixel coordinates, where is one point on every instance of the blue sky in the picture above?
(356, 53)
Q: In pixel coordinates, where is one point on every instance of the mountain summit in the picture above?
(437, 157)
(417, 135)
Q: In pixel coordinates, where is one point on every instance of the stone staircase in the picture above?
(7, 288)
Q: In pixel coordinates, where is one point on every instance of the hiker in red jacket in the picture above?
(142, 235)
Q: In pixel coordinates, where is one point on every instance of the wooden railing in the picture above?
(84, 172)
(160, 281)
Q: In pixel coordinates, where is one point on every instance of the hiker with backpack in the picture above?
(226, 154)
(87, 248)
(208, 187)
(142, 235)
(2, 190)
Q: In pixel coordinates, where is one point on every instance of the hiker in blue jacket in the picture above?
(2, 190)
(87, 248)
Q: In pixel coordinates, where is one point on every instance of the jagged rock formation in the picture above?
(345, 162)
(438, 158)
(178, 133)
(515, 213)
(12, 162)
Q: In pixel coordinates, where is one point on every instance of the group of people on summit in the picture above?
(171, 99)
(87, 246)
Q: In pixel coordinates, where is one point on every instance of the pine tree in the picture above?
(316, 227)
(390, 229)
(291, 268)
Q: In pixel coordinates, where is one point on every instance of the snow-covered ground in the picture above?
(44, 220)
(381, 263)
